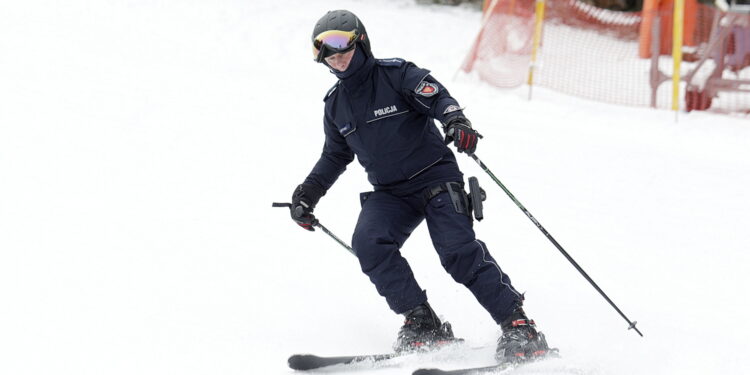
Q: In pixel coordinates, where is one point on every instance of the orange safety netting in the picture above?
(606, 55)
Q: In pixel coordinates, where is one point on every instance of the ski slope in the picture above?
(142, 143)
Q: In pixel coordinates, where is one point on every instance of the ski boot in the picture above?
(423, 331)
(520, 341)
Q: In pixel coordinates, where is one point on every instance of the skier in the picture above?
(382, 111)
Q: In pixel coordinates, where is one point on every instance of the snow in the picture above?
(142, 143)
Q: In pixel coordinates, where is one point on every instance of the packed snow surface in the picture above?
(142, 143)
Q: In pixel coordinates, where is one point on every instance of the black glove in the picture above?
(458, 130)
(304, 199)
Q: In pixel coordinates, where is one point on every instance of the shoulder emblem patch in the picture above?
(426, 89)
(452, 108)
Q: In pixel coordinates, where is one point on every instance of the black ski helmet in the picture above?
(343, 20)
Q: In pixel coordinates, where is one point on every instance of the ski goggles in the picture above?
(332, 42)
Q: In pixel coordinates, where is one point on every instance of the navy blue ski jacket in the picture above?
(383, 114)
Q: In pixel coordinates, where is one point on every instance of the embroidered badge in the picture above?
(451, 108)
(426, 89)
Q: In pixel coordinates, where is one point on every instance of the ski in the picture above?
(465, 371)
(305, 362)
(492, 369)
(311, 362)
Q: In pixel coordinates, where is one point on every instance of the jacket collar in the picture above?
(359, 70)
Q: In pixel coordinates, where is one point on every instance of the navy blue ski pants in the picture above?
(387, 220)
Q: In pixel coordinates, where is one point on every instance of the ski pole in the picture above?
(631, 325)
(325, 230)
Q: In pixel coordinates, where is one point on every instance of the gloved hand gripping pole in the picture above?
(325, 230)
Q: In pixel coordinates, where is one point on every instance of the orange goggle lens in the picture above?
(335, 41)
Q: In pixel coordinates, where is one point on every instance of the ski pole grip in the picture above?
(299, 211)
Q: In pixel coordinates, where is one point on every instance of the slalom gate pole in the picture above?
(678, 21)
(325, 230)
(538, 22)
(631, 325)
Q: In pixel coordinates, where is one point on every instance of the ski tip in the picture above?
(300, 361)
(428, 371)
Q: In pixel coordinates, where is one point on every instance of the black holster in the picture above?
(463, 203)
(476, 197)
